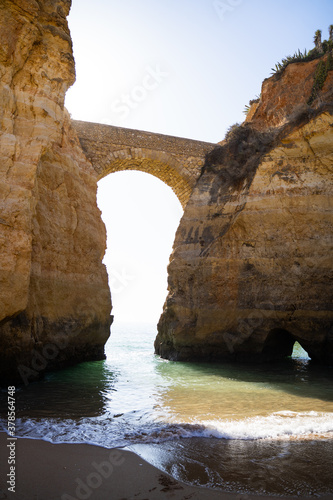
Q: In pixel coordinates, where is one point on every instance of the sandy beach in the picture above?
(45, 471)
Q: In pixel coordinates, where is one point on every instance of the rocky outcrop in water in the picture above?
(251, 269)
(54, 296)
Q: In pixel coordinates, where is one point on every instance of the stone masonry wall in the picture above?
(174, 160)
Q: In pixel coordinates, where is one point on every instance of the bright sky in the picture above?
(180, 67)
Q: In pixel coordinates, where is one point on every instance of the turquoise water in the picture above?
(209, 424)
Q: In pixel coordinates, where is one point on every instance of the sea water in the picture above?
(243, 427)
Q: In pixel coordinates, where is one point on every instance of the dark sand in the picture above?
(45, 471)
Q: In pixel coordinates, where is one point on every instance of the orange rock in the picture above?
(53, 285)
(251, 270)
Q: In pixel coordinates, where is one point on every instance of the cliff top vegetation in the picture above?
(321, 48)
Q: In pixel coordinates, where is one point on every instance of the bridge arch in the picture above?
(157, 163)
(174, 160)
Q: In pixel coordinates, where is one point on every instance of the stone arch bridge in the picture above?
(174, 160)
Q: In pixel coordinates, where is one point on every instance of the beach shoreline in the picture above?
(46, 471)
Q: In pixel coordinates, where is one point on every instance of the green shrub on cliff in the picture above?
(232, 130)
(320, 76)
(297, 57)
(253, 101)
(320, 49)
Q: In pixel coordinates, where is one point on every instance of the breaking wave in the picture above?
(120, 432)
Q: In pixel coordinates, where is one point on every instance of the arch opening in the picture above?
(141, 214)
(281, 344)
(299, 352)
(159, 165)
(278, 345)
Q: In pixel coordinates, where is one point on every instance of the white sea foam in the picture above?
(279, 425)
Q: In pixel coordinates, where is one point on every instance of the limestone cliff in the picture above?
(251, 268)
(53, 286)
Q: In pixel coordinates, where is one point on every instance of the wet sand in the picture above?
(290, 467)
(45, 471)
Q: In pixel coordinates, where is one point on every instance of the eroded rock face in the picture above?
(251, 269)
(53, 287)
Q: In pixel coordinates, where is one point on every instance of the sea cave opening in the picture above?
(281, 344)
(141, 214)
(299, 352)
